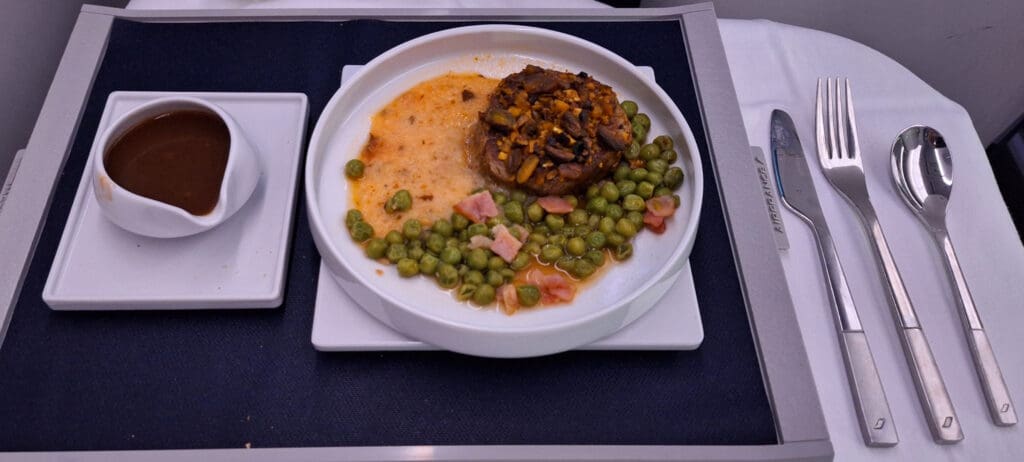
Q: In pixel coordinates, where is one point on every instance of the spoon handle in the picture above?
(1000, 405)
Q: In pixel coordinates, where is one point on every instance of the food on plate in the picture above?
(552, 133)
(437, 187)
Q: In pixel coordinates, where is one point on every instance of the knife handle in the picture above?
(876, 424)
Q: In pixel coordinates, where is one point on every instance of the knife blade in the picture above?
(796, 190)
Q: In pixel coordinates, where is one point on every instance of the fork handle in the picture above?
(931, 389)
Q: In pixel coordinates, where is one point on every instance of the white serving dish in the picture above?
(149, 217)
(417, 307)
(239, 264)
(339, 324)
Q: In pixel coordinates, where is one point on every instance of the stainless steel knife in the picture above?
(793, 179)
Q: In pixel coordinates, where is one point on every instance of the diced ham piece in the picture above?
(478, 207)
(519, 232)
(662, 206)
(554, 288)
(507, 299)
(505, 245)
(554, 204)
(654, 222)
(480, 242)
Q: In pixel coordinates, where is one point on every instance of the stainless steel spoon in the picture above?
(923, 171)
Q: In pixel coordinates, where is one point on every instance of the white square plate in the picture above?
(339, 324)
(238, 264)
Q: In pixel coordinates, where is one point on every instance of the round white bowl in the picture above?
(418, 307)
(149, 217)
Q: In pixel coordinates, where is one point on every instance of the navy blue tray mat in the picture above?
(195, 379)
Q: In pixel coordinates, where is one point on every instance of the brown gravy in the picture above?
(178, 158)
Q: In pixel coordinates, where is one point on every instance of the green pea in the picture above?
(507, 273)
(610, 192)
(654, 178)
(541, 228)
(597, 205)
(549, 253)
(674, 178)
(462, 270)
(596, 240)
(614, 211)
(396, 252)
(557, 240)
(662, 191)
(532, 248)
(639, 132)
(416, 253)
(408, 268)
(443, 227)
(473, 277)
(452, 242)
(538, 238)
(494, 278)
(496, 263)
(615, 239)
(676, 200)
(519, 196)
(495, 221)
(477, 229)
(638, 174)
(645, 190)
(649, 151)
(576, 246)
(376, 248)
(583, 269)
(625, 187)
(451, 255)
(400, 202)
(435, 243)
(607, 225)
(528, 295)
(499, 198)
(522, 260)
(596, 257)
(630, 108)
(572, 200)
(361, 231)
(657, 166)
(459, 222)
(664, 142)
(412, 228)
(484, 295)
(621, 173)
(352, 217)
(354, 169)
(637, 218)
(592, 191)
(477, 259)
(633, 203)
(447, 276)
(514, 211)
(465, 292)
(566, 263)
(633, 151)
(394, 237)
(594, 220)
(555, 222)
(625, 228)
(643, 120)
(669, 156)
(428, 264)
(623, 252)
(535, 212)
(578, 217)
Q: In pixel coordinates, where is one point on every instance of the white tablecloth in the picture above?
(776, 66)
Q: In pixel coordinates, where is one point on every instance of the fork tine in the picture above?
(833, 153)
(819, 125)
(841, 119)
(852, 122)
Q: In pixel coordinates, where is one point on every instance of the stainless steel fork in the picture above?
(839, 153)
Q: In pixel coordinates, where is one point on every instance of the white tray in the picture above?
(239, 264)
